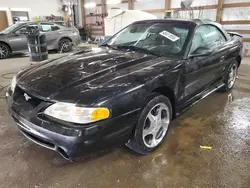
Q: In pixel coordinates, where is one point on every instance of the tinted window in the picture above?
(46, 27)
(163, 39)
(55, 28)
(10, 28)
(207, 36)
(23, 30)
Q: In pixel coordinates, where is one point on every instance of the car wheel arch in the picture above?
(157, 92)
(65, 37)
(62, 38)
(238, 59)
(7, 45)
(169, 93)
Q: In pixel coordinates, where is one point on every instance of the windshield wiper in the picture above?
(135, 48)
(110, 46)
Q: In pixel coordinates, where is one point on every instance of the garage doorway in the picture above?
(19, 16)
(4, 20)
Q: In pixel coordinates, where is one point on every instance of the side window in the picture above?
(24, 30)
(46, 27)
(207, 36)
(55, 28)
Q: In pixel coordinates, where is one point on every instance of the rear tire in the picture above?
(65, 45)
(4, 51)
(152, 125)
(230, 78)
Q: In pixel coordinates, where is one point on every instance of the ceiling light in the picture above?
(90, 5)
(113, 1)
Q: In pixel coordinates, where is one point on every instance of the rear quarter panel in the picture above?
(64, 33)
(234, 51)
(69, 33)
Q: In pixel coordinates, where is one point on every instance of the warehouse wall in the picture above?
(206, 14)
(157, 8)
(35, 7)
(96, 10)
(240, 13)
(177, 3)
(229, 14)
(123, 6)
(151, 4)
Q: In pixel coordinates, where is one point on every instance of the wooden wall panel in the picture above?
(167, 5)
(234, 5)
(131, 4)
(3, 20)
(219, 11)
(235, 22)
(219, 14)
(155, 10)
(240, 31)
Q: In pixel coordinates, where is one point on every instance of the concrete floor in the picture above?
(178, 163)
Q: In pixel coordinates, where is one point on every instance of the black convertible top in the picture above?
(193, 22)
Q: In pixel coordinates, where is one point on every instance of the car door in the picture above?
(204, 70)
(18, 39)
(51, 32)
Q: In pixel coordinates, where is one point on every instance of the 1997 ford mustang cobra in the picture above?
(127, 90)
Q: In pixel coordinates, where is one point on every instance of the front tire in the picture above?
(65, 45)
(4, 51)
(230, 77)
(152, 125)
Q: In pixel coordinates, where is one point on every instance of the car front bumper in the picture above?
(76, 39)
(73, 141)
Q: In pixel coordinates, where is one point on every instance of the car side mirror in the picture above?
(24, 33)
(21, 33)
(201, 51)
(14, 34)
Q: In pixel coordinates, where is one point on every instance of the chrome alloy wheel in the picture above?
(156, 125)
(3, 51)
(65, 45)
(232, 76)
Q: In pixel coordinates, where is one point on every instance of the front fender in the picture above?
(136, 97)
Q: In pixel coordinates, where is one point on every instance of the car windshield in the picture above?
(161, 39)
(10, 28)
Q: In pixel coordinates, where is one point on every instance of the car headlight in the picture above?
(71, 113)
(13, 84)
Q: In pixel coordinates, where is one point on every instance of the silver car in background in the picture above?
(14, 38)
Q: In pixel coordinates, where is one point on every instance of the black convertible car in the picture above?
(126, 91)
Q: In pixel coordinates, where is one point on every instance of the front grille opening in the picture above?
(25, 106)
(39, 140)
(19, 99)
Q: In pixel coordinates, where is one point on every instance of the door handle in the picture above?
(222, 59)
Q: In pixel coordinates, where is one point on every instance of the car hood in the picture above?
(2, 34)
(47, 80)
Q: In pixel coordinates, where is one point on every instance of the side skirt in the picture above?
(197, 99)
